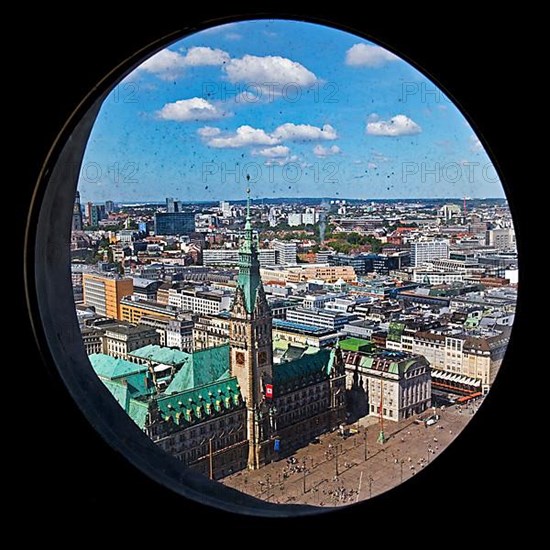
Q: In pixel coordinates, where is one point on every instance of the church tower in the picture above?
(251, 351)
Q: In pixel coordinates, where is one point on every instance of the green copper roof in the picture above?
(200, 402)
(202, 367)
(248, 280)
(109, 367)
(137, 410)
(128, 391)
(302, 370)
(355, 344)
(161, 355)
(374, 362)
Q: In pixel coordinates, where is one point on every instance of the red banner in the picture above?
(269, 391)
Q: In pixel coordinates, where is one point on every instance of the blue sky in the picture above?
(299, 109)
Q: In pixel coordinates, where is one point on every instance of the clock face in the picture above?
(262, 357)
(239, 357)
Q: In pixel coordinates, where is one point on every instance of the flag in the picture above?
(269, 391)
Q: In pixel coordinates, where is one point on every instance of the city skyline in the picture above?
(200, 116)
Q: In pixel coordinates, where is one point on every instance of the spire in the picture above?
(248, 205)
(249, 267)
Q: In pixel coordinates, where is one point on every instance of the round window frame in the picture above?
(49, 290)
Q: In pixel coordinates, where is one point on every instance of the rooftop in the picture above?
(109, 367)
(303, 370)
(162, 355)
(200, 402)
(300, 327)
(355, 344)
(201, 367)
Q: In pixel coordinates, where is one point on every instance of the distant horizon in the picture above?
(295, 200)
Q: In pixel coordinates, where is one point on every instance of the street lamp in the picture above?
(370, 486)
(304, 476)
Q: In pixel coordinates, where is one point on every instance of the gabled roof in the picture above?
(202, 367)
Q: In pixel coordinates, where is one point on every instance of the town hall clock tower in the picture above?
(251, 348)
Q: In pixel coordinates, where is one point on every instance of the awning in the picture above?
(444, 376)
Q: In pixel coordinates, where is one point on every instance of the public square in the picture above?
(339, 470)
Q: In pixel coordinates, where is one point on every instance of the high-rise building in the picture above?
(502, 238)
(109, 207)
(426, 251)
(173, 205)
(310, 217)
(94, 213)
(294, 219)
(286, 250)
(77, 214)
(103, 292)
(174, 223)
(225, 207)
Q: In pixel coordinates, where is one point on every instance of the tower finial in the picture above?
(248, 203)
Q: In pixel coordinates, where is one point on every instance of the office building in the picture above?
(502, 239)
(463, 360)
(120, 340)
(132, 309)
(426, 251)
(173, 205)
(309, 272)
(174, 223)
(230, 256)
(286, 251)
(325, 318)
(199, 300)
(103, 292)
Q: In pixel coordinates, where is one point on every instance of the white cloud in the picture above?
(268, 69)
(169, 65)
(475, 144)
(202, 56)
(195, 108)
(372, 165)
(305, 132)
(165, 64)
(233, 36)
(277, 151)
(399, 125)
(365, 55)
(321, 151)
(245, 135)
(208, 131)
(281, 161)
